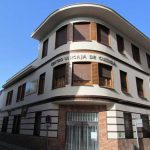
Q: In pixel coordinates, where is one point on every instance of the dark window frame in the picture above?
(105, 81)
(140, 88)
(101, 30)
(62, 75)
(124, 87)
(21, 92)
(9, 97)
(45, 48)
(41, 85)
(148, 60)
(58, 34)
(37, 123)
(5, 124)
(136, 53)
(16, 124)
(120, 43)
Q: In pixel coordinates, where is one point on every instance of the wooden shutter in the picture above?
(103, 34)
(19, 93)
(81, 31)
(120, 43)
(81, 73)
(93, 31)
(61, 36)
(128, 125)
(59, 76)
(23, 91)
(70, 32)
(95, 76)
(136, 53)
(45, 48)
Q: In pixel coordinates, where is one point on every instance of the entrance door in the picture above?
(82, 131)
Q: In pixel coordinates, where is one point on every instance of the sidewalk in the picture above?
(6, 146)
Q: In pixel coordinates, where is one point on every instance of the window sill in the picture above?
(106, 87)
(83, 41)
(104, 44)
(57, 87)
(143, 98)
(59, 46)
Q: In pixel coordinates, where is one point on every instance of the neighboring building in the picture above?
(92, 77)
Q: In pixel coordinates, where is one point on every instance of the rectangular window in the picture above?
(45, 48)
(37, 124)
(61, 36)
(146, 126)
(139, 84)
(120, 43)
(123, 78)
(82, 73)
(128, 125)
(81, 31)
(105, 78)
(9, 97)
(59, 76)
(5, 124)
(21, 92)
(103, 34)
(41, 84)
(148, 60)
(136, 53)
(16, 124)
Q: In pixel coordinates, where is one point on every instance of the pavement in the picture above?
(6, 146)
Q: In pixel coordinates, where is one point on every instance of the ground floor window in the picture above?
(16, 124)
(82, 131)
(5, 124)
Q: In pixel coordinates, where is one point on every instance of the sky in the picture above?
(18, 20)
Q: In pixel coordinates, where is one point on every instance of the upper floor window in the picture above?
(61, 36)
(82, 74)
(16, 124)
(146, 126)
(128, 125)
(5, 124)
(105, 75)
(120, 43)
(41, 84)
(45, 48)
(148, 60)
(59, 75)
(103, 34)
(136, 53)
(9, 97)
(139, 84)
(81, 31)
(123, 78)
(21, 92)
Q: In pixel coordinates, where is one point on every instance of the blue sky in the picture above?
(18, 19)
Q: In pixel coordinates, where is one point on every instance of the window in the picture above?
(59, 75)
(21, 92)
(123, 78)
(16, 124)
(82, 73)
(81, 31)
(139, 84)
(61, 36)
(146, 126)
(9, 97)
(37, 124)
(45, 48)
(128, 125)
(5, 124)
(41, 84)
(148, 60)
(103, 34)
(136, 53)
(120, 43)
(105, 78)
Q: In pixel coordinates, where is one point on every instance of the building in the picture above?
(92, 80)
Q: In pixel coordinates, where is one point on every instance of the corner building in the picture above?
(91, 77)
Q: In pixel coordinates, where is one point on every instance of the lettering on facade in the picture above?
(82, 57)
